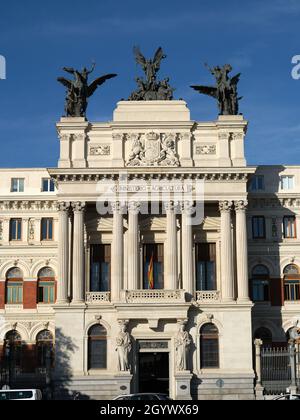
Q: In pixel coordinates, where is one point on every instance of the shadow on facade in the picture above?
(62, 379)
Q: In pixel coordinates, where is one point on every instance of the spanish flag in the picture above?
(150, 274)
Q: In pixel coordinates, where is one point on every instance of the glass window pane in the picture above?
(21, 185)
(45, 184)
(52, 186)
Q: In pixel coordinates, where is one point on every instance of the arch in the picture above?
(205, 320)
(97, 347)
(40, 327)
(266, 262)
(93, 322)
(209, 346)
(264, 334)
(38, 265)
(12, 263)
(14, 273)
(46, 272)
(291, 269)
(260, 270)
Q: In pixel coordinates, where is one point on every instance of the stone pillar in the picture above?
(258, 387)
(133, 245)
(187, 249)
(242, 250)
(117, 252)
(78, 253)
(63, 253)
(171, 254)
(227, 277)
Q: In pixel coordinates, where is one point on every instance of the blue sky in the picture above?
(259, 38)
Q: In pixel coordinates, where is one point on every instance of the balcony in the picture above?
(93, 298)
(154, 296)
(208, 296)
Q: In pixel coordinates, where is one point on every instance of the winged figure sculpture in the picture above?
(150, 88)
(79, 89)
(225, 91)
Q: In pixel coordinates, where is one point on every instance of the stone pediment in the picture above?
(153, 223)
(211, 223)
(100, 224)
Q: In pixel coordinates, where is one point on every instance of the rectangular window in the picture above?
(289, 227)
(287, 182)
(15, 230)
(17, 185)
(100, 268)
(260, 290)
(47, 229)
(258, 227)
(47, 185)
(14, 292)
(257, 183)
(292, 289)
(46, 292)
(153, 267)
(206, 266)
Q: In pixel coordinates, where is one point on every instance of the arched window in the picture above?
(291, 282)
(46, 285)
(44, 345)
(209, 346)
(97, 347)
(14, 286)
(265, 335)
(13, 349)
(260, 284)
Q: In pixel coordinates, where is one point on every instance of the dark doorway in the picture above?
(154, 372)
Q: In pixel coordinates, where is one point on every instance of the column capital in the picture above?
(187, 207)
(117, 206)
(134, 207)
(78, 206)
(63, 206)
(225, 206)
(170, 206)
(240, 205)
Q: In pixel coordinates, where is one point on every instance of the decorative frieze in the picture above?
(205, 149)
(15, 205)
(99, 150)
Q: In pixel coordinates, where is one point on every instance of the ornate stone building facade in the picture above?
(104, 291)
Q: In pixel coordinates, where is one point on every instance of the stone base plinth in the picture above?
(183, 385)
(123, 380)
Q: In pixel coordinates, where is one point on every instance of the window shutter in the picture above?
(276, 296)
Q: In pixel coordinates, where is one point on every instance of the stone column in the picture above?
(242, 250)
(187, 249)
(117, 252)
(171, 254)
(258, 387)
(227, 277)
(133, 245)
(78, 253)
(63, 253)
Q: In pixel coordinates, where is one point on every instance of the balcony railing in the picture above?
(97, 297)
(208, 296)
(154, 296)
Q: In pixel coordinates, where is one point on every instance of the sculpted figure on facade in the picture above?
(225, 90)
(150, 89)
(123, 348)
(182, 344)
(79, 90)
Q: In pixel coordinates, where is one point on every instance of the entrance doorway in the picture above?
(154, 372)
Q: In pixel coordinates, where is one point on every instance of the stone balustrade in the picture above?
(97, 297)
(208, 296)
(156, 295)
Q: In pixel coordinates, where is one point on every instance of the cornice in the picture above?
(23, 204)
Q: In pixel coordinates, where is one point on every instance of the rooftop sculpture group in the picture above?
(149, 88)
